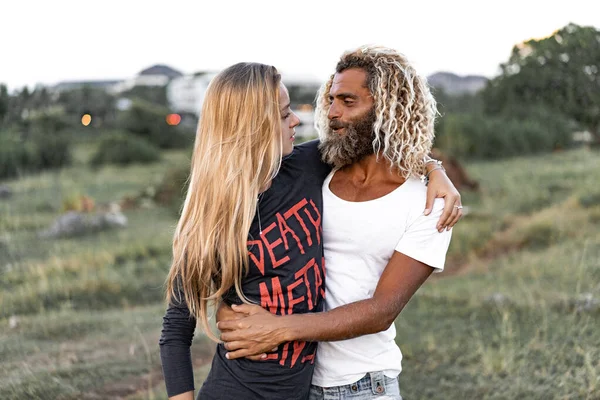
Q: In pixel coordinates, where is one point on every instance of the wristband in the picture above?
(425, 178)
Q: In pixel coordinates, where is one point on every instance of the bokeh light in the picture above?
(86, 119)
(173, 119)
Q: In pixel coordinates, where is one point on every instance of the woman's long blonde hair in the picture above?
(237, 153)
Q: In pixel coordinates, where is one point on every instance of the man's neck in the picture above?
(370, 170)
(365, 180)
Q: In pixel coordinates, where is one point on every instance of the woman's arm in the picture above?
(440, 186)
(175, 341)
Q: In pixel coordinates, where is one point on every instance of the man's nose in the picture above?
(334, 111)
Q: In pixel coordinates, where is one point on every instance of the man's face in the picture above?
(349, 136)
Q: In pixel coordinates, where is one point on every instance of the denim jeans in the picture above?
(374, 385)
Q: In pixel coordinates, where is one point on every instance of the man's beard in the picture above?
(353, 145)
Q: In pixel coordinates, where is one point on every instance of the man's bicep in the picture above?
(400, 280)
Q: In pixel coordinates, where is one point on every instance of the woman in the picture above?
(249, 230)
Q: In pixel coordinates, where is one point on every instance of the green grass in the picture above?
(67, 354)
(160, 392)
(455, 349)
(532, 241)
(89, 308)
(537, 191)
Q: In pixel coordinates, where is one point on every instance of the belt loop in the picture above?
(377, 382)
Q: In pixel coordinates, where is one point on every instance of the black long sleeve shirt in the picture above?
(286, 276)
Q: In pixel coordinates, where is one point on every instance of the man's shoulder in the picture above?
(415, 197)
(412, 190)
(415, 187)
(408, 199)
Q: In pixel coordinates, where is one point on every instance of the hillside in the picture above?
(516, 314)
(455, 85)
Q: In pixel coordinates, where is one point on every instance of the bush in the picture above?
(13, 156)
(481, 136)
(588, 200)
(52, 150)
(148, 121)
(35, 152)
(123, 149)
(172, 190)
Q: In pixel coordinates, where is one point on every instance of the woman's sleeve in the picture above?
(175, 342)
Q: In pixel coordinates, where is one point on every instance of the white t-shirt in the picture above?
(359, 240)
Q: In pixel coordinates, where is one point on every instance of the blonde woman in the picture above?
(250, 231)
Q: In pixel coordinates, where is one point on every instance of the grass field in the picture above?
(516, 315)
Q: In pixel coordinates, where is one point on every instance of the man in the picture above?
(375, 117)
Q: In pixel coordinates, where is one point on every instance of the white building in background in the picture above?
(186, 94)
(303, 91)
(66, 86)
(157, 75)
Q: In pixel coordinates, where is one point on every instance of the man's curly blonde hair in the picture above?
(405, 110)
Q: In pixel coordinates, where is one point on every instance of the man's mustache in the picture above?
(337, 125)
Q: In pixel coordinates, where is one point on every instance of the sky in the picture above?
(51, 41)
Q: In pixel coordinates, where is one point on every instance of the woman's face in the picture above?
(289, 121)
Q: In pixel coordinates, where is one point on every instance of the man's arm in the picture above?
(261, 331)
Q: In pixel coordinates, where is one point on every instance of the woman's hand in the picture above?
(440, 186)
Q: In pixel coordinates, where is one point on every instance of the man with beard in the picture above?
(375, 118)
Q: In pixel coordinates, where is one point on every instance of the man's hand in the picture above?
(440, 186)
(224, 312)
(254, 333)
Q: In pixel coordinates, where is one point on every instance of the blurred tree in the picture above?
(561, 72)
(152, 94)
(24, 94)
(122, 149)
(87, 100)
(480, 136)
(19, 102)
(48, 121)
(40, 99)
(23, 105)
(148, 121)
(462, 103)
(39, 141)
(4, 102)
(16, 107)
